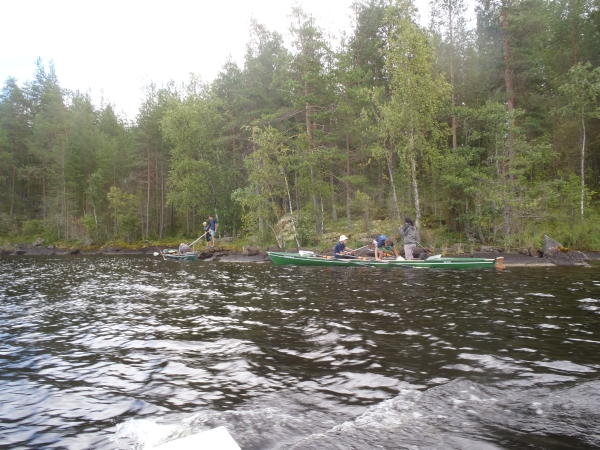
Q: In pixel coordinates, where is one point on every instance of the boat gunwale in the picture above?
(447, 262)
(174, 256)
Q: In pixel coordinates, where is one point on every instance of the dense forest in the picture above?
(488, 133)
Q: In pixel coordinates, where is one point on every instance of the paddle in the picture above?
(426, 249)
(198, 239)
(345, 256)
(429, 251)
(360, 248)
(191, 245)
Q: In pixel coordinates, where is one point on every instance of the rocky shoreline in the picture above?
(254, 254)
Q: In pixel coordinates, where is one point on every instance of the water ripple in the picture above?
(98, 352)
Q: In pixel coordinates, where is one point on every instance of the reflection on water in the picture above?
(114, 352)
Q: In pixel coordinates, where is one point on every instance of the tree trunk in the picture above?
(510, 106)
(12, 196)
(297, 189)
(43, 193)
(393, 186)
(392, 183)
(162, 203)
(64, 180)
(413, 168)
(148, 193)
(316, 206)
(172, 219)
(574, 34)
(333, 209)
(235, 178)
(582, 163)
(160, 198)
(510, 100)
(348, 216)
(453, 106)
(287, 189)
(261, 222)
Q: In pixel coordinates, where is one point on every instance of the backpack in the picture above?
(380, 240)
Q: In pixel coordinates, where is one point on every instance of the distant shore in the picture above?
(228, 255)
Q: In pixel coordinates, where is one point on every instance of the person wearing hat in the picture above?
(340, 250)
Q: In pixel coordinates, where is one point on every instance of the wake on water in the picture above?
(457, 415)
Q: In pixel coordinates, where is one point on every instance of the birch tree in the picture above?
(417, 93)
(581, 93)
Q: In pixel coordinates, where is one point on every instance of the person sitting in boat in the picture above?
(341, 251)
(384, 246)
(184, 248)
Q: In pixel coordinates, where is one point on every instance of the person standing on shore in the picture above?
(409, 236)
(213, 226)
(207, 233)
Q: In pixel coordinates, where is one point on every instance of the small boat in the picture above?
(175, 255)
(433, 262)
(184, 253)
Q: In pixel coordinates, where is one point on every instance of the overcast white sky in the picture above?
(119, 46)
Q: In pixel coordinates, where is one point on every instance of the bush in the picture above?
(33, 227)
(8, 225)
(305, 227)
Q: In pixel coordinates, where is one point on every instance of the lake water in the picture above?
(126, 352)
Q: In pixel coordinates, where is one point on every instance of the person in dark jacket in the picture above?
(409, 237)
(213, 226)
(341, 251)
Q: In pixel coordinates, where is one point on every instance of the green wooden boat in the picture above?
(176, 256)
(433, 262)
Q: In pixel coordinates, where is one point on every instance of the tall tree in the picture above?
(417, 93)
(581, 93)
(153, 153)
(311, 93)
(49, 146)
(199, 164)
(448, 19)
(15, 119)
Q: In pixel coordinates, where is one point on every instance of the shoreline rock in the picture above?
(254, 254)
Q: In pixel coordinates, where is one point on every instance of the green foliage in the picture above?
(90, 224)
(306, 234)
(8, 225)
(125, 213)
(484, 135)
(33, 227)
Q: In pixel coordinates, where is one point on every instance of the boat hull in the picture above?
(280, 258)
(173, 255)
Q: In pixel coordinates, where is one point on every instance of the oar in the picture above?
(345, 256)
(360, 248)
(429, 251)
(198, 239)
(426, 249)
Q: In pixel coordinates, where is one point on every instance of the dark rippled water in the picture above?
(129, 352)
